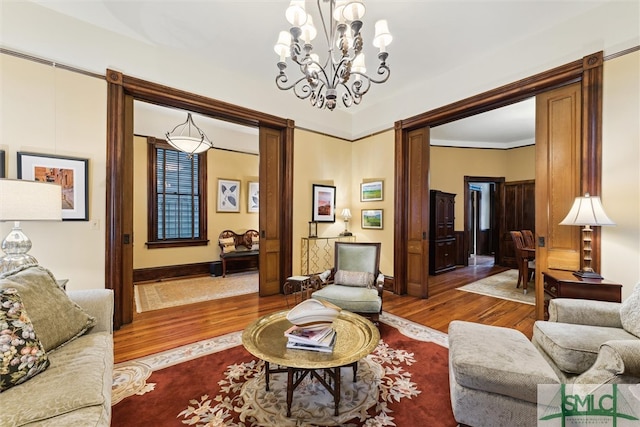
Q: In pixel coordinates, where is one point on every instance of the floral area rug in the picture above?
(503, 286)
(404, 382)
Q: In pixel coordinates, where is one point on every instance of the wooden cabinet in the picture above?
(564, 284)
(442, 239)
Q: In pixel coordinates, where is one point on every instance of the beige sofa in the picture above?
(75, 389)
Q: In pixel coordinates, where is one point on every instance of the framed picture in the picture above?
(372, 218)
(371, 191)
(228, 195)
(253, 197)
(324, 203)
(3, 172)
(71, 173)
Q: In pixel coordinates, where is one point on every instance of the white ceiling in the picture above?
(442, 51)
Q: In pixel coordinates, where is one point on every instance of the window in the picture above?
(177, 197)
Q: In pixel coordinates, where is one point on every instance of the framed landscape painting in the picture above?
(372, 218)
(70, 173)
(228, 195)
(371, 191)
(324, 203)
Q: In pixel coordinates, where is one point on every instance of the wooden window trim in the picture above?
(152, 225)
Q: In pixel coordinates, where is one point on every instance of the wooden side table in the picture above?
(564, 284)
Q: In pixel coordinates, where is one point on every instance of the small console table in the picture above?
(564, 284)
(317, 253)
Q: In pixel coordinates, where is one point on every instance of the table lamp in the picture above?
(25, 201)
(587, 211)
(346, 214)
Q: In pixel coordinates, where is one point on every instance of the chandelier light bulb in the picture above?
(296, 14)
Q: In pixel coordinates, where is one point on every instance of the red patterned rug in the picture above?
(216, 382)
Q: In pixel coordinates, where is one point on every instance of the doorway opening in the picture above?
(481, 224)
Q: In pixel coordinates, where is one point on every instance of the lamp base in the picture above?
(587, 274)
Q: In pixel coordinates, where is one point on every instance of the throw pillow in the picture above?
(228, 245)
(630, 312)
(21, 353)
(255, 243)
(353, 278)
(55, 317)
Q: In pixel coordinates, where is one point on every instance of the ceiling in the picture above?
(224, 49)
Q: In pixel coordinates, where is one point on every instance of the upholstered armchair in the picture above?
(355, 283)
(579, 332)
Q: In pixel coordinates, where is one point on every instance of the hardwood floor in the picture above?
(160, 330)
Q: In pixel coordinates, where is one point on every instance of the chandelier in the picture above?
(342, 71)
(188, 138)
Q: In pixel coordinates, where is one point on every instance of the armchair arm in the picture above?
(585, 312)
(616, 358)
(380, 283)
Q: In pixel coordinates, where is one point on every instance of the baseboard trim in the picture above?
(171, 272)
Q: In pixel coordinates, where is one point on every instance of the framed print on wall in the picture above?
(228, 195)
(372, 218)
(71, 173)
(324, 203)
(253, 197)
(371, 191)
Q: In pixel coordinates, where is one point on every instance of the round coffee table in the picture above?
(356, 337)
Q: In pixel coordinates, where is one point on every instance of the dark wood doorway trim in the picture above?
(495, 212)
(121, 91)
(587, 70)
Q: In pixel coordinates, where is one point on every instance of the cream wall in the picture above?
(621, 170)
(449, 165)
(220, 164)
(52, 111)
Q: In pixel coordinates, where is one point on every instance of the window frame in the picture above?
(152, 196)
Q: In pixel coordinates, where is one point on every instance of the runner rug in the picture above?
(173, 293)
(503, 286)
(216, 382)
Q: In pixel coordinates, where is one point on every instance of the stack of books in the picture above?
(315, 339)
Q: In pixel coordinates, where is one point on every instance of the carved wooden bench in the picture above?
(236, 247)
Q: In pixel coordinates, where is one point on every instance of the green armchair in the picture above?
(355, 283)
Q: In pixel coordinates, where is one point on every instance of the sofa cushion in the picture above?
(574, 348)
(350, 298)
(353, 278)
(630, 312)
(56, 319)
(21, 353)
(497, 360)
(79, 379)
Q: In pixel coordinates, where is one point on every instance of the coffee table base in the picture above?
(328, 377)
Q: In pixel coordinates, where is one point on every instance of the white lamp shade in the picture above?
(353, 10)
(382, 37)
(359, 64)
(283, 45)
(346, 213)
(314, 66)
(587, 210)
(22, 200)
(337, 10)
(296, 14)
(309, 31)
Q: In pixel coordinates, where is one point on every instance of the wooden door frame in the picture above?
(495, 219)
(587, 70)
(121, 91)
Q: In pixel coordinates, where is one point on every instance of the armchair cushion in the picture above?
(351, 298)
(574, 348)
(630, 312)
(353, 278)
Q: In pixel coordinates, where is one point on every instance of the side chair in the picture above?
(525, 258)
(355, 283)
